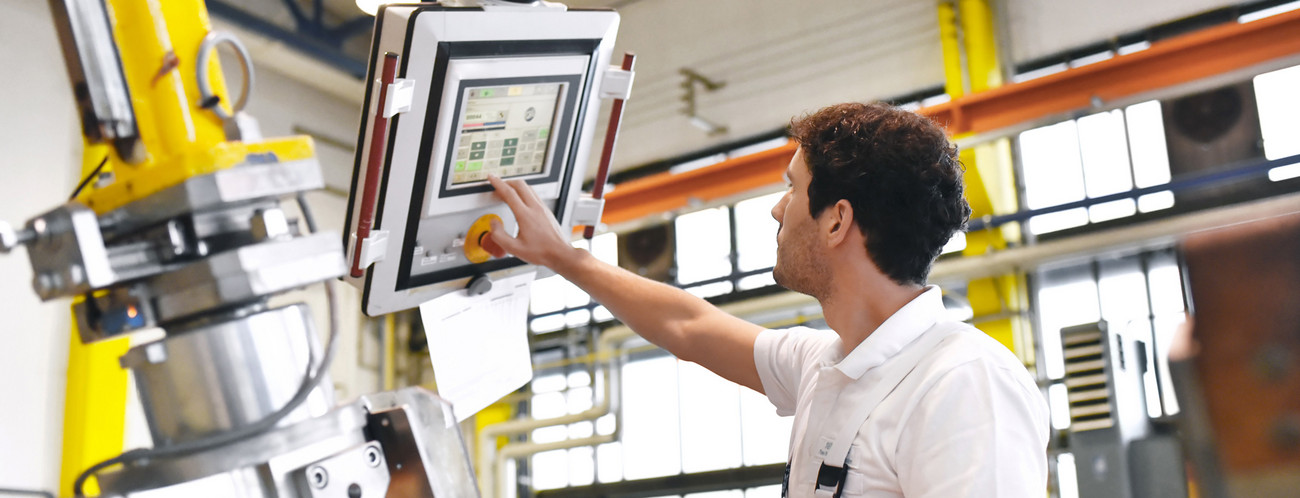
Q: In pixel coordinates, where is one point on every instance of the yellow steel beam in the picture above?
(94, 395)
(971, 66)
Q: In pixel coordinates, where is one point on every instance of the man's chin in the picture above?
(782, 281)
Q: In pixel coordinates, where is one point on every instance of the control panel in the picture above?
(457, 94)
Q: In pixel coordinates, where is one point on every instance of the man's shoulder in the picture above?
(815, 338)
(972, 364)
(807, 332)
(801, 345)
(970, 345)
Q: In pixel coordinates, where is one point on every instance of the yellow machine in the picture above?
(178, 225)
(179, 121)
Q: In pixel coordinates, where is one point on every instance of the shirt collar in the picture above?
(904, 326)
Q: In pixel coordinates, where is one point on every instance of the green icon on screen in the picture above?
(543, 133)
(475, 165)
(460, 165)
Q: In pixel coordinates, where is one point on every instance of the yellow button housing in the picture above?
(474, 250)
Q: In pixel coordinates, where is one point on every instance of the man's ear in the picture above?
(839, 223)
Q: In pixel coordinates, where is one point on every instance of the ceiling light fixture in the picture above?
(370, 6)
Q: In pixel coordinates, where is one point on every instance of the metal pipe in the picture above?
(1135, 237)
(491, 474)
(520, 450)
(390, 352)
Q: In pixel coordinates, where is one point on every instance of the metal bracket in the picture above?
(360, 471)
(617, 83)
(587, 211)
(400, 94)
(373, 248)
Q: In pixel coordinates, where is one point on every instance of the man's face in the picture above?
(800, 259)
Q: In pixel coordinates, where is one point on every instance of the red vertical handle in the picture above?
(374, 163)
(611, 136)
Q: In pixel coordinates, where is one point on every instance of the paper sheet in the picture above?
(479, 344)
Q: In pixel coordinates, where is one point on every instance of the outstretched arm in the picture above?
(685, 325)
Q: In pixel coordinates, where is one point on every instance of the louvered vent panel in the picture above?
(1086, 381)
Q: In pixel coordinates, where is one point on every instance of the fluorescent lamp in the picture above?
(370, 6)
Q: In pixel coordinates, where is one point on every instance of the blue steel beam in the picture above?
(317, 49)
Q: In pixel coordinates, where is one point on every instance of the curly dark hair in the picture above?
(899, 172)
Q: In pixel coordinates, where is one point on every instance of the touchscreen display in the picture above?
(504, 130)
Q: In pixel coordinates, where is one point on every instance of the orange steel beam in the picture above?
(1201, 54)
(668, 191)
(1183, 59)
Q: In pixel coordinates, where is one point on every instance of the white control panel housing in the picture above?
(504, 90)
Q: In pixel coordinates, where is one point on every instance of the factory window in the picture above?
(556, 395)
(1279, 118)
(1268, 11)
(704, 250)
(1139, 296)
(756, 240)
(1094, 156)
(554, 294)
(677, 418)
(760, 492)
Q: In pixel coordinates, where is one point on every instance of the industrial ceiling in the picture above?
(751, 65)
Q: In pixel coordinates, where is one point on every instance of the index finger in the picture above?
(506, 193)
(526, 193)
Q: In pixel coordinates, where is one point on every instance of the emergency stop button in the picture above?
(478, 246)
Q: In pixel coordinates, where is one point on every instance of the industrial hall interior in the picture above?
(650, 248)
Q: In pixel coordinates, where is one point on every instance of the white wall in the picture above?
(41, 144)
(1040, 28)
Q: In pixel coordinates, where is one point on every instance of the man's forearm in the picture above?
(660, 313)
(673, 319)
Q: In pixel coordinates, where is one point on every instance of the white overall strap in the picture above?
(834, 468)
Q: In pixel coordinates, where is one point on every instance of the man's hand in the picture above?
(540, 240)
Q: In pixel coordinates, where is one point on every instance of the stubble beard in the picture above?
(799, 268)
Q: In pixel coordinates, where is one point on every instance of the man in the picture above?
(896, 401)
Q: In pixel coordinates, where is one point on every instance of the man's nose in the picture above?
(778, 210)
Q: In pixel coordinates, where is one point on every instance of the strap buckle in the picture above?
(831, 480)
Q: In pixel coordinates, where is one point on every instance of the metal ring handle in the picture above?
(210, 42)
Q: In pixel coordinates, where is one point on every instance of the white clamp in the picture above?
(587, 211)
(373, 247)
(617, 83)
(400, 93)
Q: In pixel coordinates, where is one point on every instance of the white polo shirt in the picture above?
(969, 421)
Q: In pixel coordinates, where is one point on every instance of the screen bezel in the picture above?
(561, 126)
